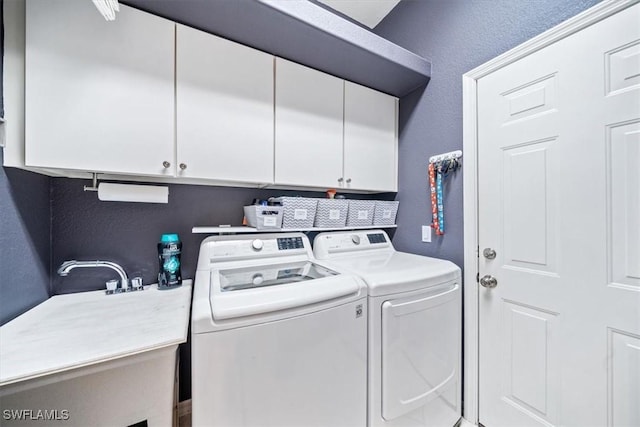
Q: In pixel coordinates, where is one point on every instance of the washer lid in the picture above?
(247, 291)
(393, 272)
(235, 279)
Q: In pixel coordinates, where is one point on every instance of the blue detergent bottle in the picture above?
(169, 250)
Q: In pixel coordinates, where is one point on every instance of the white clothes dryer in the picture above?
(277, 339)
(414, 328)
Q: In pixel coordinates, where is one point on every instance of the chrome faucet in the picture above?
(67, 266)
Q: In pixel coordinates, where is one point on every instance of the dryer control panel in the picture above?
(376, 238)
(326, 244)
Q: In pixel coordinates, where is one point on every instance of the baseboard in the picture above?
(184, 408)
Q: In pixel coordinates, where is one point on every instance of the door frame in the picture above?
(471, 384)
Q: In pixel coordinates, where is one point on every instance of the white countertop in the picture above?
(76, 330)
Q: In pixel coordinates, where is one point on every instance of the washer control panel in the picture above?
(229, 248)
(285, 243)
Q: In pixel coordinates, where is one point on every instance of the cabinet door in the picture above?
(309, 114)
(370, 139)
(224, 102)
(99, 96)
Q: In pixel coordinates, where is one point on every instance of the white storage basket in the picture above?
(331, 213)
(360, 213)
(264, 217)
(385, 212)
(299, 212)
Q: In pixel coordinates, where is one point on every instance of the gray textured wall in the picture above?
(25, 233)
(457, 35)
(85, 228)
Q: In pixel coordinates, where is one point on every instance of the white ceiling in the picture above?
(367, 12)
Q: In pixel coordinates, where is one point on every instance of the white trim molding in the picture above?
(470, 181)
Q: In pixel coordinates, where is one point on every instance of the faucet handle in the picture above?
(136, 283)
(111, 286)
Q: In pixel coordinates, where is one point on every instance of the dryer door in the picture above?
(420, 350)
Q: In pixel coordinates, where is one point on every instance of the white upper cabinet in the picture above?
(224, 106)
(309, 125)
(333, 134)
(142, 96)
(99, 96)
(370, 139)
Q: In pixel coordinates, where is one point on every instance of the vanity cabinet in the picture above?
(99, 96)
(331, 133)
(224, 109)
(94, 359)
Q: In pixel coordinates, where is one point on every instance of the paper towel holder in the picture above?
(94, 187)
(128, 192)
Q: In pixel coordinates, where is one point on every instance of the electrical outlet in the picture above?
(426, 233)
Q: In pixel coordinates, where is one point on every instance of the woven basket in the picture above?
(264, 217)
(360, 213)
(385, 212)
(331, 213)
(299, 212)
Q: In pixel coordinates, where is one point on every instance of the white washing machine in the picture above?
(414, 328)
(277, 339)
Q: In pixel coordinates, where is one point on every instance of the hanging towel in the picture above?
(440, 199)
(434, 197)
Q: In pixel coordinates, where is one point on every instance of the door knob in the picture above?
(489, 281)
(166, 164)
(348, 180)
(183, 166)
(489, 253)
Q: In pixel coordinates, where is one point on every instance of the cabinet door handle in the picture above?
(166, 164)
(340, 179)
(183, 166)
(348, 180)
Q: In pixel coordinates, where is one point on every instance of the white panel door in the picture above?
(99, 95)
(370, 140)
(308, 129)
(224, 103)
(559, 202)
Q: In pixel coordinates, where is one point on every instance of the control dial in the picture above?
(355, 239)
(257, 244)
